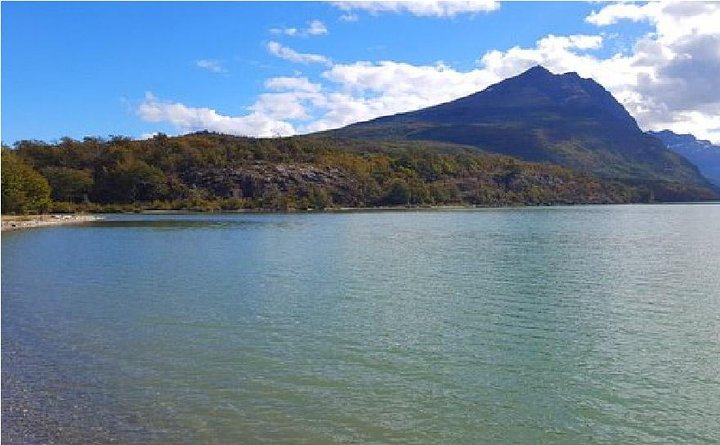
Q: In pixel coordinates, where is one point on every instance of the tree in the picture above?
(24, 190)
(319, 198)
(397, 192)
(130, 180)
(68, 184)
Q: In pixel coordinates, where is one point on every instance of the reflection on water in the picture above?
(223, 221)
(556, 325)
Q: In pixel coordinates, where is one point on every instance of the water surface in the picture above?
(596, 324)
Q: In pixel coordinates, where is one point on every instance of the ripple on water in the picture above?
(561, 325)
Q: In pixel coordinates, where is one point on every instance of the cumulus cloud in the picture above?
(557, 53)
(611, 14)
(292, 83)
(212, 65)
(188, 119)
(671, 76)
(290, 54)
(314, 28)
(365, 90)
(423, 8)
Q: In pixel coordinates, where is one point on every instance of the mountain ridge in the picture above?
(703, 154)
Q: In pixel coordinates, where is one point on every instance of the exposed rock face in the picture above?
(262, 179)
(501, 185)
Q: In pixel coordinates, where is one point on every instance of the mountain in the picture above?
(543, 117)
(703, 154)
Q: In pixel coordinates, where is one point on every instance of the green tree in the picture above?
(419, 193)
(24, 190)
(397, 192)
(68, 184)
(319, 198)
(444, 192)
(130, 180)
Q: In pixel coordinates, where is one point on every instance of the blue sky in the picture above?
(99, 69)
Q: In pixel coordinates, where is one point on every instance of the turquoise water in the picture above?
(564, 325)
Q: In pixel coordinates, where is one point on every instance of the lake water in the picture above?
(561, 325)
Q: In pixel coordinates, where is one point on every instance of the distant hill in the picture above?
(542, 117)
(210, 171)
(703, 154)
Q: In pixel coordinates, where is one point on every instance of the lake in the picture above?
(562, 325)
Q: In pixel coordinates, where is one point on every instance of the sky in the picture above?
(281, 68)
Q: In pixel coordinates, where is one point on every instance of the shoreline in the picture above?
(20, 222)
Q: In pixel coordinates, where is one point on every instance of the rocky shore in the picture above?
(31, 221)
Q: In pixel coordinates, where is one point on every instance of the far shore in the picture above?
(19, 222)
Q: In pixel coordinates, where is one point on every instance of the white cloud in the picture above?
(287, 105)
(423, 8)
(671, 77)
(284, 31)
(187, 119)
(672, 20)
(292, 83)
(365, 90)
(290, 54)
(146, 136)
(211, 65)
(314, 28)
(611, 14)
(558, 53)
(406, 83)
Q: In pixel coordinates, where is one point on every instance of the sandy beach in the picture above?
(12, 222)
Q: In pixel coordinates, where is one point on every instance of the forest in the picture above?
(212, 172)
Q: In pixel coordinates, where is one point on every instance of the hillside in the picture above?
(703, 154)
(542, 117)
(208, 171)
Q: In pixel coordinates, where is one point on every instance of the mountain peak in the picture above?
(534, 97)
(537, 70)
(540, 72)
